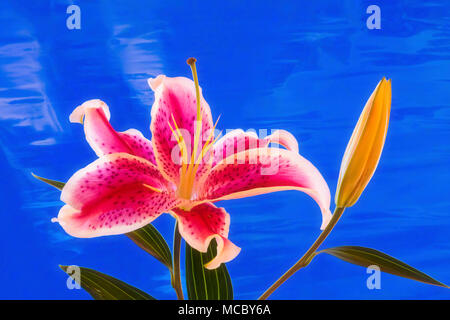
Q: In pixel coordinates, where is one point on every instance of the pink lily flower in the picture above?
(135, 180)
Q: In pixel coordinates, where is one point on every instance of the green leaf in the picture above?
(57, 184)
(103, 287)
(204, 284)
(366, 256)
(150, 240)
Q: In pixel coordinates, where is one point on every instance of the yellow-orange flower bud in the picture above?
(365, 146)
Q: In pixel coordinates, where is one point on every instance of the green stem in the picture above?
(306, 259)
(176, 275)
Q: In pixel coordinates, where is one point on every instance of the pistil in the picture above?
(189, 167)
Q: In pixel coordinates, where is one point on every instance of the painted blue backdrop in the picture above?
(304, 66)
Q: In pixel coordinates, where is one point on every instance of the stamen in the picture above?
(207, 147)
(177, 137)
(211, 134)
(183, 147)
(152, 188)
(204, 150)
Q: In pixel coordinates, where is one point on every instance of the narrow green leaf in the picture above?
(57, 184)
(103, 287)
(150, 240)
(366, 257)
(204, 284)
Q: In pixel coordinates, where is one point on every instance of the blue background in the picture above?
(304, 66)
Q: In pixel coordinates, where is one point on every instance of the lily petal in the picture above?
(285, 139)
(102, 137)
(108, 174)
(237, 140)
(117, 193)
(203, 223)
(175, 97)
(140, 146)
(265, 170)
(126, 210)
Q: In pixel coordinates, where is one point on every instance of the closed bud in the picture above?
(365, 146)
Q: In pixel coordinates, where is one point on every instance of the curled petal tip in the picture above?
(326, 217)
(77, 115)
(284, 138)
(154, 83)
(226, 251)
